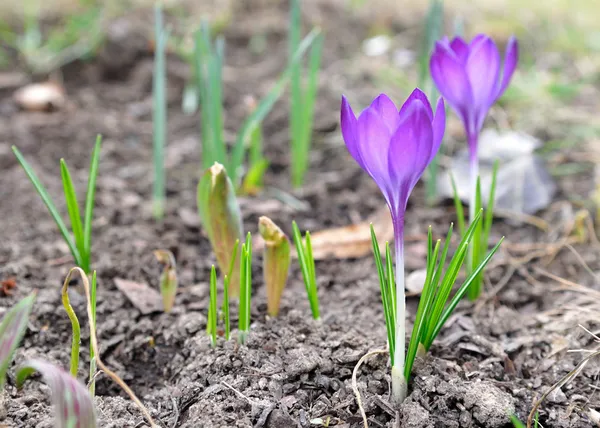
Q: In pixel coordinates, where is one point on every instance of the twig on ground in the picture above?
(355, 385)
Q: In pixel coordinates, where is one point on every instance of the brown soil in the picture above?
(495, 356)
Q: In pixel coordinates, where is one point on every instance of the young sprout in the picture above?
(159, 113)
(303, 96)
(168, 278)
(211, 324)
(12, 330)
(307, 266)
(245, 290)
(73, 405)
(222, 220)
(435, 305)
(257, 163)
(92, 382)
(276, 262)
(207, 61)
(80, 241)
(76, 329)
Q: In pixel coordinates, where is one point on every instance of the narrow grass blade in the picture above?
(73, 405)
(201, 56)
(386, 298)
(226, 307)
(159, 113)
(39, 187)
(276, 262)
(76, 329)
(245, 290)
(212, 309)
(489, 212)
(90, 198)
(295, 67)
(476, 249)
(92, 384)
(168, 278)
(307, 266)
(391, 278)
(73, 210)
(12, 330)
(460, 213)
(424, 304)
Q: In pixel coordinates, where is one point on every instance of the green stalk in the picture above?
(307, 266)
(74, 325)
(225, 308)
(90, 197)
(245, 290)
(73, 210)
(92, 354)
(212, 309)
(159, 114)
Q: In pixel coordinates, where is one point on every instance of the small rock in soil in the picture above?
(414, 416)
(489, 405)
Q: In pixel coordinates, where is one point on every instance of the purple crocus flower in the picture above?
(471, 79)
(394, 147)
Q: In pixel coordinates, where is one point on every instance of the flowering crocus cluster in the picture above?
(394, 147)
(471, 78)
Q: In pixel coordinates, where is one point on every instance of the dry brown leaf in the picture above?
(146, 299)
(354, 241)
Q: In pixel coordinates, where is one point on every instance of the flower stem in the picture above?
(474, 173)
(399, 387)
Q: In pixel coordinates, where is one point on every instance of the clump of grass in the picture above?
(303, 96)
(207, 60)
(80, 240)
(307, 266)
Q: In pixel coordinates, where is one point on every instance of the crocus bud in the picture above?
(276, 262)
(222, 220)
(168, 278)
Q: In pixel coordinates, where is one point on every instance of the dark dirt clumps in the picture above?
(495, 357)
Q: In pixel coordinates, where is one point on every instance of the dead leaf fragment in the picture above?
(353, 241)
(145, 299)
(43, 96)
(7, 285)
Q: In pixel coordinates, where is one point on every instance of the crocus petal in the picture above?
(409, 152)
(416, 96)
(510, 64)
(350, 130)
(451, 80)
(386, 108)
(439, 127)
(461, 49)
(373, 142)
(483, 69)
(477, 40)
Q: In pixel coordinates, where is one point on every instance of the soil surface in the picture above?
(495, 357)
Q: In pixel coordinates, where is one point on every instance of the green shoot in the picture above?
(245, 290)
(159, 114)
(225, 308)
(79, 242)
(436, 304)
(303, 96)
(257, 163)
(73, 405)
(208, 60)
(276, 262)
(92, 382)
(221, 218)
(211, 325)
(168, 278)
(482, 232)
(307, 266)
(74, 326)
(12, 330)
